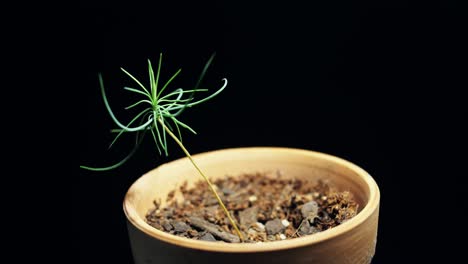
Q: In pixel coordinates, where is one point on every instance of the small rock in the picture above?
(227, 191)
(248, 216)
(307, 229)
(253, 198)
(213, 229)
(210, 201)
(251, 231)
(282, 237)
(168, 213)
(156, 225)
(285, 222)
(309, 210)
(211, 209)
(183, 235)
(180, 226)
(274, 227)
(260, 226)
(166, 225)
(207, 237)
(193, 232)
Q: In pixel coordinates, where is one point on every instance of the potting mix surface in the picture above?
(265, 208)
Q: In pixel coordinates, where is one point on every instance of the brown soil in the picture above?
(265, 208)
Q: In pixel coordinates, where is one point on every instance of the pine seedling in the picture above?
(160, 118)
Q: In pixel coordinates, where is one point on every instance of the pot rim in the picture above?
(366, 212)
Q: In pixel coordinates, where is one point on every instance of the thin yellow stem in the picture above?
(241, 237)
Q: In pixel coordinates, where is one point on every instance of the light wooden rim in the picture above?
(368, 210)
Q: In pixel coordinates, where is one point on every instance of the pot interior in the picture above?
(289, 163)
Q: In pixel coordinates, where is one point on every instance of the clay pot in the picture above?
(351, 242)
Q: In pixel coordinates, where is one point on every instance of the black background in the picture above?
(354, 82)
